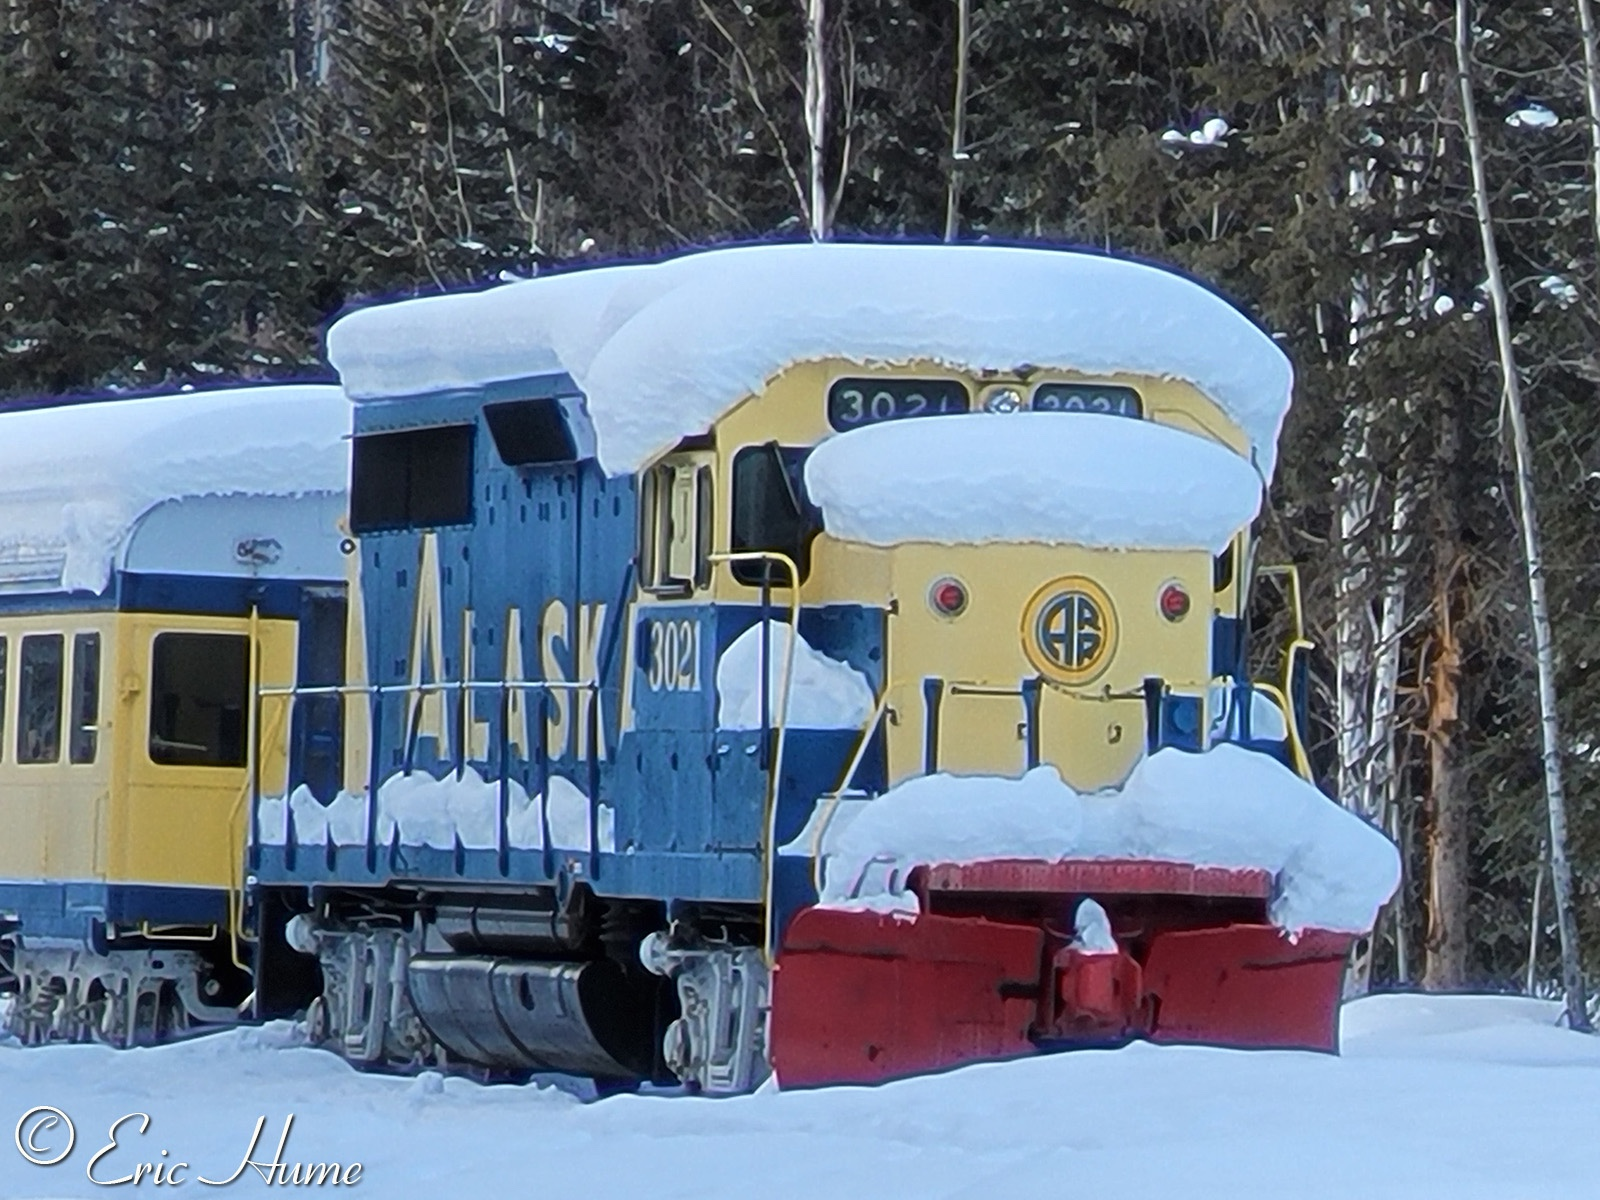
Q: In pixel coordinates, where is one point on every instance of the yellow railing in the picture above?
(1297, 645)
(780, 724)
(830, 802)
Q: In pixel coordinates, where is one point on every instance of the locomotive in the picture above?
(158, 555)
(828, 661)
(821, 660)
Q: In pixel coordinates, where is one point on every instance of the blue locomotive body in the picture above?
(526, 591)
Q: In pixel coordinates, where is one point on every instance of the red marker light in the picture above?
(948, 597)
(1174, 602)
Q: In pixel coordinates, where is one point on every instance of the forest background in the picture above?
(190, 189)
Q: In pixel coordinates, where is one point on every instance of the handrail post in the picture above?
(766, 670)
(502, 834)
(594, 779)
(775, 772)
(541, 760)
(375, 735)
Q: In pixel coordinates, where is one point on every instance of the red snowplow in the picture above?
(991, 967)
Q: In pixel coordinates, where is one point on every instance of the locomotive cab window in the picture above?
(412, 479)
(771, 511)
(199, 696)
(84, 738)
(675, 506)
(39, 698)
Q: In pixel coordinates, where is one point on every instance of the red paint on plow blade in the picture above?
(859, 997)
(1094, 876)
(986, 970)
(1249, 986)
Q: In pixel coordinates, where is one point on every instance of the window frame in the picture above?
(5, 690)
(24, 694)
(405, 445)
(808, 517)
(83, 701)
(149, 736)
(677, 509)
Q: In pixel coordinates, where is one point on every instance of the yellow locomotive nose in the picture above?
(1039, 582)
(1045, 659)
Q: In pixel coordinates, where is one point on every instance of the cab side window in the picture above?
(199, 696)
(771, 511)
(84, 739)
(39, 698)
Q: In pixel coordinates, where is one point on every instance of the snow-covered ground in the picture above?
(1457, 1097)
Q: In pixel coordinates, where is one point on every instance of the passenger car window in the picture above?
(199, 693)
(5, 679)
(84, 738)
(39, 698)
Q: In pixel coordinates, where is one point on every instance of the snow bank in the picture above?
(1078, 478)
(661, 350)
(1514, 1030)
(824, 693)
(75, 479)
(1228, 807)
(435, 812)
(1468, 1122)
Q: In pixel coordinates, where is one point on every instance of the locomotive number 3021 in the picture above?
(856, 402)
(673, 656)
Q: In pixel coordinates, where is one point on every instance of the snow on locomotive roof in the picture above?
(75, 479)
(1075, 478)
(661, 350)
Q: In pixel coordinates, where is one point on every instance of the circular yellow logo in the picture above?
(1069, 630)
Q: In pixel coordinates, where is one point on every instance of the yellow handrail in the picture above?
(251, 778)
(831, 801)
(1297, 750)
(1298, 642)
(768, 849)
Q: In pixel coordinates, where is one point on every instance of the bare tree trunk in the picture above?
(958, 123)
(1532, 550)
(1591, 92)
(1448, 944)
(1533, 924)
(1352, 610)
(816, 101)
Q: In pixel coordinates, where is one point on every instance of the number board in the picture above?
(853, 403)
(1087, 397)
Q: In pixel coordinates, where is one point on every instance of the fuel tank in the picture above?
(585, 1018)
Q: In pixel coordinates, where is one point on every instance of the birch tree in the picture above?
(1532, 548)
(816, 114)
(958, 121)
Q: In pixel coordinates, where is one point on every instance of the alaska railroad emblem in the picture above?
(1069, 630)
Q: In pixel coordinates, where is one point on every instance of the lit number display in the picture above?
(673, 656)
(1091, 398)
(853, 403)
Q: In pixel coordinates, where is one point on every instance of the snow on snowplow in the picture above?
(1081, 943)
